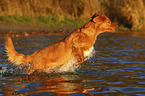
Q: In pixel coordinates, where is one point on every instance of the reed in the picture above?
(70, 8)
(126, 13)
(134, 10)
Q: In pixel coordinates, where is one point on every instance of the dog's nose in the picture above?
(114, 25)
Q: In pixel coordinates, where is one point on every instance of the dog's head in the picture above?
(103, 23)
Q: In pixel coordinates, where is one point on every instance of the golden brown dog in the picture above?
(76, 46)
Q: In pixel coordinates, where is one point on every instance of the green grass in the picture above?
(48, 21)
(43, 21)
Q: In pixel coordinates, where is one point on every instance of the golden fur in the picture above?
(74, 46)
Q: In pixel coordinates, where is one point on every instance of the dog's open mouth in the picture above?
(111, 29)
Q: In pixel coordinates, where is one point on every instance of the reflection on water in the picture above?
(118, 67)
(55, 84)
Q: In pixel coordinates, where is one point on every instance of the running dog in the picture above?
(76, 46)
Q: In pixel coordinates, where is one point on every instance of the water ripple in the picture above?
(118, 67)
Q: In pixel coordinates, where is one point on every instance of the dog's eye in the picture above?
(97, 15)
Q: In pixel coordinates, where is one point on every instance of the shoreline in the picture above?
(15, 30)
(22, 30)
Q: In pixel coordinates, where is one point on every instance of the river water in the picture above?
(116, 69)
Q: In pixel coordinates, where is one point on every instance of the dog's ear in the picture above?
(95, 15)
(97, 18)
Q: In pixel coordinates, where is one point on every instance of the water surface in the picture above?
(117, 68)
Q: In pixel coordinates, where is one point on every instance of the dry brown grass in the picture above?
(71, 8)
(127, 13)
(134, 11)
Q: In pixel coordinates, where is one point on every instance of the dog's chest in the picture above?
(69, 65)
(89, 53)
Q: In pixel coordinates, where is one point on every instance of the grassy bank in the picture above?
(28, 25)
(47, 22)
(43, 21)
(128, 14)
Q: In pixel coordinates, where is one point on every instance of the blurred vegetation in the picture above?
(128, 14)
(43, 21)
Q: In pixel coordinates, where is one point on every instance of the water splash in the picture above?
(68, 67)
(90, 53)
(11, 70)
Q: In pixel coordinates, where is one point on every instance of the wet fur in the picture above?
(73, 48)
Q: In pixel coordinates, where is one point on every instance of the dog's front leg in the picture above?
(79, 56)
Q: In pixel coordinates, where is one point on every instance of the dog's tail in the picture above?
(13, 56)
